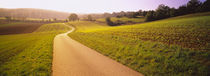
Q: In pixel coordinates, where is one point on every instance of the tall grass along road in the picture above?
(71, 58)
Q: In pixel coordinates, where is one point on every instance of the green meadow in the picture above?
(176, 46)
(29, 54)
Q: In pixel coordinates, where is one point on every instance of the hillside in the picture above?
(32, 13)
(29, 54)
(176, 46)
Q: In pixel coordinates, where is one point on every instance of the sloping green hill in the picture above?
(176, 46)
(29, 54)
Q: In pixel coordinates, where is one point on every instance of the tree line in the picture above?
(75, 17)
(163, 11)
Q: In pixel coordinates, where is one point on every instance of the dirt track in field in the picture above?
(71, 58)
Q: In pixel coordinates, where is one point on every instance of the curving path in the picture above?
(71, 58)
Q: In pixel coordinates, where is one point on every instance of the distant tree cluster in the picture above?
(163, 11)
(115, 23)
(129, 14)
(125, 14)
(73, 17)
(109, 22)
(89, 18)
(114, 14)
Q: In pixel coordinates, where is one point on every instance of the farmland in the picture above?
(31, 53)
(91, 25)
(18, 27)
(174, 46)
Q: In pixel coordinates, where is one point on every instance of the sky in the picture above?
(91, 6)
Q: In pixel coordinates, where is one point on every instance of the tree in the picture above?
(206, 6)
(73, 17)
(140, 13)
(193, 6)
(182, 10)
(144, 13)
(89, 18)
(150, 16)
(109, 22)
(173, 12)
(162, 12)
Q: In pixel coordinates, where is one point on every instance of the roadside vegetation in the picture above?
(29, 54)
(176, 46)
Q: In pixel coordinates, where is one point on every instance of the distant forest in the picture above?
(32, 13)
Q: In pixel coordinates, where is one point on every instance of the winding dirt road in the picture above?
(71, 58)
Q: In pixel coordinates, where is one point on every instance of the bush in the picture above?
(109, 22)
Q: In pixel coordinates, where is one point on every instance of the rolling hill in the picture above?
(33, 13)
(176, 46)
(29, 54)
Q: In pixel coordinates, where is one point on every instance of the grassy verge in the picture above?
(29, 54)
(171, 47)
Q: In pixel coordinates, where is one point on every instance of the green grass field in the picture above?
(123, 19)
(29, 54)
(88, 25)
(172, 47)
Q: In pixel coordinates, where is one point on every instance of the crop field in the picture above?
(29, 54)
(176, 46)
(124, 19)
(18, 27)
